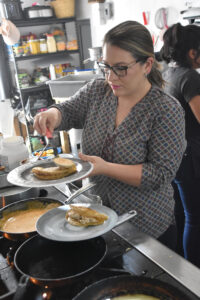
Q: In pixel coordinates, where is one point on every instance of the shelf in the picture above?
(35, 88)
(41, 21)
(54, 54)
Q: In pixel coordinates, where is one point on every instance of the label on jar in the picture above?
(43, 47)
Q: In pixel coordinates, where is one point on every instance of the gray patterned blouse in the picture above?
(152, 134)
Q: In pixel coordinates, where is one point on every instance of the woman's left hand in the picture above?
(98, 163)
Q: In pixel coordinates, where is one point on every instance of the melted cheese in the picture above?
(23, 221)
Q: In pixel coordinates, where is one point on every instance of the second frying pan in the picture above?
(49, 263)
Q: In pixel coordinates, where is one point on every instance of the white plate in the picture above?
(53, 224)
(22, 175)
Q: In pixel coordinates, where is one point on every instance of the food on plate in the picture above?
(84, 216)
(63, 162)
(47, 152)
(52, 173)
(135, 297)
(24, 220)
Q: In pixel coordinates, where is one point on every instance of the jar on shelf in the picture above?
(43, 46)
(34, 46)
(13, 151)
(61, 45)
(51, 43)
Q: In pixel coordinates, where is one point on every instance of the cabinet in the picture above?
(15, 62)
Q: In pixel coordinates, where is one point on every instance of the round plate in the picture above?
(53, 224)
(22, 175)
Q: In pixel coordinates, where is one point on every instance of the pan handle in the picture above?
(125, 217)
(79, 192)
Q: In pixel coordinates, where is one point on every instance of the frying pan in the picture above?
(51, 264)
(129, 285)
(23, 205)
(54, 226)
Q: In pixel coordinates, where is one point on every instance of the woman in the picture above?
(9, 32)
(133, 132)
(181, 50)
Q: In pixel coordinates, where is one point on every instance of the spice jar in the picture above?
(51, 43)
(12, 152)
(43, 46)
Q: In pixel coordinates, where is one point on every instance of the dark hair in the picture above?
(178, 40)
(136, 39)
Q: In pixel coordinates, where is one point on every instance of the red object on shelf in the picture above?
(145, 18)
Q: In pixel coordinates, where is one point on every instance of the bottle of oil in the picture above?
(51, 43)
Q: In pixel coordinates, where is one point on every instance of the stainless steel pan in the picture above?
(124, 285)
(54, 226)
(22, 205)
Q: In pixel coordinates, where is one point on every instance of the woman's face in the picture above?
(134, 78)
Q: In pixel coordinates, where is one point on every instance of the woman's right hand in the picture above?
(50, 119)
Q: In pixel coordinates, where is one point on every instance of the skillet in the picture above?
(19, 206)
(54, 226)
(51, 264)
(124, 285)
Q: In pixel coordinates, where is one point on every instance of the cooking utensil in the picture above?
(124, 285)
(49, 143)
(22, 175)
(161, 18)
(54, 226)
(41, 152)
(79, 192)
(22, 205)
(49, 263)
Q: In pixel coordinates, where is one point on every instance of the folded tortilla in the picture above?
(84, 216)
(53, 173)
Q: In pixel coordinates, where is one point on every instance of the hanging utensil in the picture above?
(161, 18)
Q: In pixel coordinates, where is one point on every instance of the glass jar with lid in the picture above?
(34, 46)
(43, 46)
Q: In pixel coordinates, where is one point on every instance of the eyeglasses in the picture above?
(120, 71)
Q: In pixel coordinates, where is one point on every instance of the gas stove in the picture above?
(129, 252)
(121, 259)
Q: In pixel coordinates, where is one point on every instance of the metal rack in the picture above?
(25, 92)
